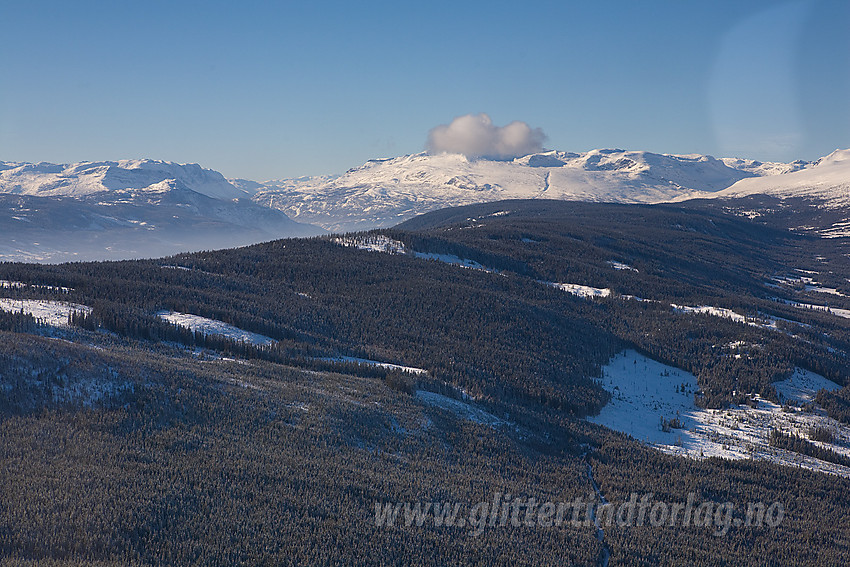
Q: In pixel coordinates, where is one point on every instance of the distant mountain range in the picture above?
(142, 208)
(127, 209)
(385, 192)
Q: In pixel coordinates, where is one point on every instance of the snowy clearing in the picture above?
(451, 259)
(584, 291)
(461, 409)
(762, 321)
(821, 289)
(372, 243)
(844, 313)
(644, 391)
(6, 284)
(212, 327)
(707, 310)
(53, 313)
(381, 243)
(409, 369)
(620, 266)
(803, 386)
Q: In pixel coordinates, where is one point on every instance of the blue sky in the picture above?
(276, 89)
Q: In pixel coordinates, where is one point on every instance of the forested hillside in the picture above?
(129, 439)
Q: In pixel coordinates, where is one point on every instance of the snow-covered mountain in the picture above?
(127, 209)
(384, 192)
(133, 208)
(87, 178)
(813, 199)
(826, 180)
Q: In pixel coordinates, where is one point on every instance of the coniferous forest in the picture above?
(127, 439)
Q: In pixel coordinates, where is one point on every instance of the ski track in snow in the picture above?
(643, 391)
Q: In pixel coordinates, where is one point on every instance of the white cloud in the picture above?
(474, 135)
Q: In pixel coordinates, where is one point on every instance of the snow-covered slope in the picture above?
(654, 403)
(127, 209)
(384, 192)
(827, 180)
(810, 198)
(87, 178)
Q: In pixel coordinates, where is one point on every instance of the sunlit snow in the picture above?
(366, 361)
(644, 391)
(53, 313)
(212, 327)
(584, 291)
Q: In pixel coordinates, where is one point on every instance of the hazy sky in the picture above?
(275, 89)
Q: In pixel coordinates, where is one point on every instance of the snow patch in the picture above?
(707, 310)
(803, 386)
(206, 326)
(452, 259)
(6, 284)
(53, 313)
(620, 266)
(381, 243)
(821, 289)
(408, 369)
(654, 403)
(584, 291)
(844, 313)
(372, 243)
(762, 321)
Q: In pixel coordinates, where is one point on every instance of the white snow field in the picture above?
(584, 291)
(838, 312)
(89, 178)
(408, 369)
(708, 310)
(643, 391)
(803, 386)
(621, 266)
(384, 192)
(372, 243)
(381, 243)
(762, 321)
(827, 180)
(53, 313)
(212, 327)
(6, 284)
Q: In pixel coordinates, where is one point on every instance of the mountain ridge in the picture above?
(90, 177)
(128, 209)
(385, 191)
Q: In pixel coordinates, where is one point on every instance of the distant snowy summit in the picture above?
(384, 192)
(128, 209)
(88, 178)
(826, 180)
(138, 208)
